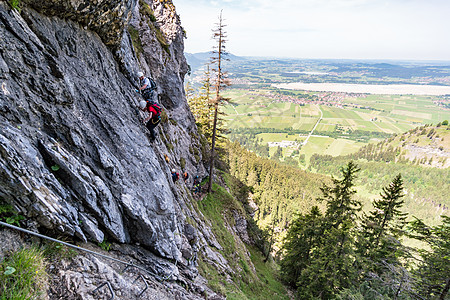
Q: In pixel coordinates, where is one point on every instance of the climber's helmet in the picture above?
(140, 74)
(142, 104)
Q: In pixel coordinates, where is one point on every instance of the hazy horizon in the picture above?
(332, 59)
(322, 29)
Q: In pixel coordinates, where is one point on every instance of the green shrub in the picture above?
(161, 38)
(105, 245)
(182, 163)
(15, 4)
(145, 9)
(23, 275)
(164, 117)
(9, 215)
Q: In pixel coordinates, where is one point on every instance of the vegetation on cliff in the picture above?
(332, 250)
(252, 278)
(23, 275)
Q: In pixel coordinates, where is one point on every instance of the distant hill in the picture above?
(198, 60)
(426, 146)
(421, 156)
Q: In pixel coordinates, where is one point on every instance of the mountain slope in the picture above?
(197, 61)
(76, 160)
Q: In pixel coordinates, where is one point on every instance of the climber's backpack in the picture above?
(150, 87)
(157, 108)
(175, 176)
(152, 84)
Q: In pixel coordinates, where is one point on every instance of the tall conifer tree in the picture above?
(219, 35)
(381, 254)
(303, 236)
(383, 226)
(201, 104)
(341, 205)
(433, 272)
(329, 264)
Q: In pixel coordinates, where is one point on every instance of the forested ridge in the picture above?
(425, 145)
(426, 187)
(421, 182)
(278, 190)
(328, 247)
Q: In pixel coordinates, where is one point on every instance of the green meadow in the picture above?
(384, 114)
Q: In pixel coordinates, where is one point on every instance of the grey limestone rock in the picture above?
(74, 156)
(240, 227)
(89, 129)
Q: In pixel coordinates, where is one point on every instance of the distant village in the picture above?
(284, 144)
(443, 101)
(335, 99)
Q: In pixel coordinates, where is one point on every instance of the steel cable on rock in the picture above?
(162, 279)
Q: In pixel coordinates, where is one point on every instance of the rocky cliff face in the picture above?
(75, 158)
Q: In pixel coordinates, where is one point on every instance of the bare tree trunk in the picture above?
(213, 144)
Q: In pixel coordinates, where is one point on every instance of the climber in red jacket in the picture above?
(154, 117)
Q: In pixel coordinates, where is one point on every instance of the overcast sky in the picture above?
(349, 29)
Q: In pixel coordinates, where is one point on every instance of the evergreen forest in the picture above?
(328, 248)
(369, 224)
(330, 242)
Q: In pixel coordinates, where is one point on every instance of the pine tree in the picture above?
(386, 222)
(433, 272)
(219, 35)
(339, 198)
(193, 100)
(206, 119)
(303, 235)
(201, 105)
(381, 254)
(325, 256)
(332, 266)
(189, 91)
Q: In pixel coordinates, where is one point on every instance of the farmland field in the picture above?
(263, 109)
(348, 103)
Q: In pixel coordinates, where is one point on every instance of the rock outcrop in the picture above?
(75, 158)
(105, 17)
